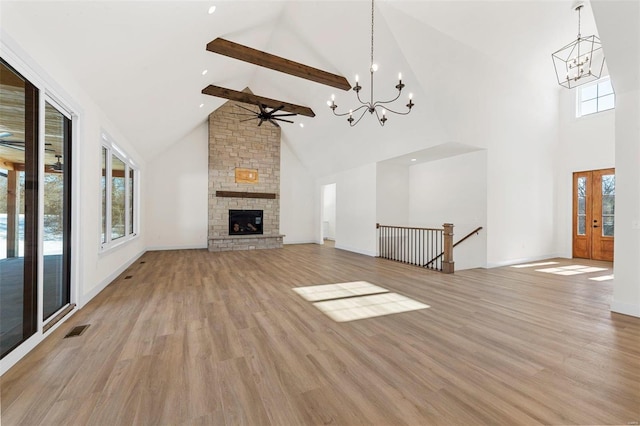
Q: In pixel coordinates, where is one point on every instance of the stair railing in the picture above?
(415, 246)
(475, 231)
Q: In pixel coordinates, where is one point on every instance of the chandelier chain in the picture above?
(372, 32)
(579, 21)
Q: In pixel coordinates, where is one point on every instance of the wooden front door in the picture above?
(593, 214)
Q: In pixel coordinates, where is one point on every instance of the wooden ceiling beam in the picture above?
(267, 60)
(248, 98)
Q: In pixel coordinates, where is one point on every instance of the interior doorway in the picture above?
(329, 212)
(593, 214)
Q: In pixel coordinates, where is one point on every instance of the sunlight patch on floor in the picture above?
(529, 265)
(356, 308)
(571, 270)
(357, 300)
(602, 278)
(315, 293)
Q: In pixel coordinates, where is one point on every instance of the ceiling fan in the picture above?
(266, 115)
(57, 167)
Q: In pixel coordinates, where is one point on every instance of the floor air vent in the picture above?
(128, 277)
(77, 331)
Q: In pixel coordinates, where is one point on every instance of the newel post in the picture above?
(447, 260)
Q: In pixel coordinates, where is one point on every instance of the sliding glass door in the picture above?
(56, 229)
(18, 208)
(32, 159)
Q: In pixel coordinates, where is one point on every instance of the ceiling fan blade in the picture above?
(283, 115)
(18, 147)
(248, 98)
(276, 109)
(267, 60)
(274, 123)
(263, 109)
(247, 119)
(245, 108)
(261, 121)
(280, 119)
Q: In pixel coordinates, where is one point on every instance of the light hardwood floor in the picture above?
(221, 339)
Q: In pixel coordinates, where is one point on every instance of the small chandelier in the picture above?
(580, 61)
(379, 108)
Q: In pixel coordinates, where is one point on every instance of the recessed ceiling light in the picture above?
(414, 159)
(301, 124)
(204, 72)
(212, 9)
(201, 105)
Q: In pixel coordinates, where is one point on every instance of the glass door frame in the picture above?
(67, 219)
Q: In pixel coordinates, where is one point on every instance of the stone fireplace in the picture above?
(244, 175)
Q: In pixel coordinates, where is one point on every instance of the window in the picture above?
(118, 195)
(595, 97)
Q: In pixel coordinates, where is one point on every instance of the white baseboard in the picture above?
(85, 298)
(355, 250)
(312, 241)
(188, 247)
(625, 308)
(522, 260)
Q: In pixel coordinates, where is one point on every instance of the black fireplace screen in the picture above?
(245, 222)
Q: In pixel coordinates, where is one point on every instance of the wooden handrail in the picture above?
(378, 226)
(475, 231)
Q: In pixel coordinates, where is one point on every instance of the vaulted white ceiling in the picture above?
(141, 61)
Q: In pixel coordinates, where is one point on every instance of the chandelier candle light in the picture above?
(580, 61)
(380, 108)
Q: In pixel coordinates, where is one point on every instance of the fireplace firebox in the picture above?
(245, 222)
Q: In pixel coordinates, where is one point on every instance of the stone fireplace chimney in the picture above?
(244, 174)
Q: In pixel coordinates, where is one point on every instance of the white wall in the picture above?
(176, 213)
(355, 209)
(392, 194)
(329, 211)
(626, 291)
(453, 190)
(619, 26)
(297, 199)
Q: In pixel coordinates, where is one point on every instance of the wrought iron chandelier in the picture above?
(379, 108)
(580, 61)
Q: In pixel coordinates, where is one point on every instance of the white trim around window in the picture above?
(119, 189)
(595, 97)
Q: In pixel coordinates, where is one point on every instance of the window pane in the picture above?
(607, 226)
(582, 225)
(590, 92)
(608, 184)
(117, 198)
(589, 107)
(608, 204)
(606, 102)
(104, 195)
(582, 195)
(581, 205)
(605, 88)
(131, 200)
(582, 187)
